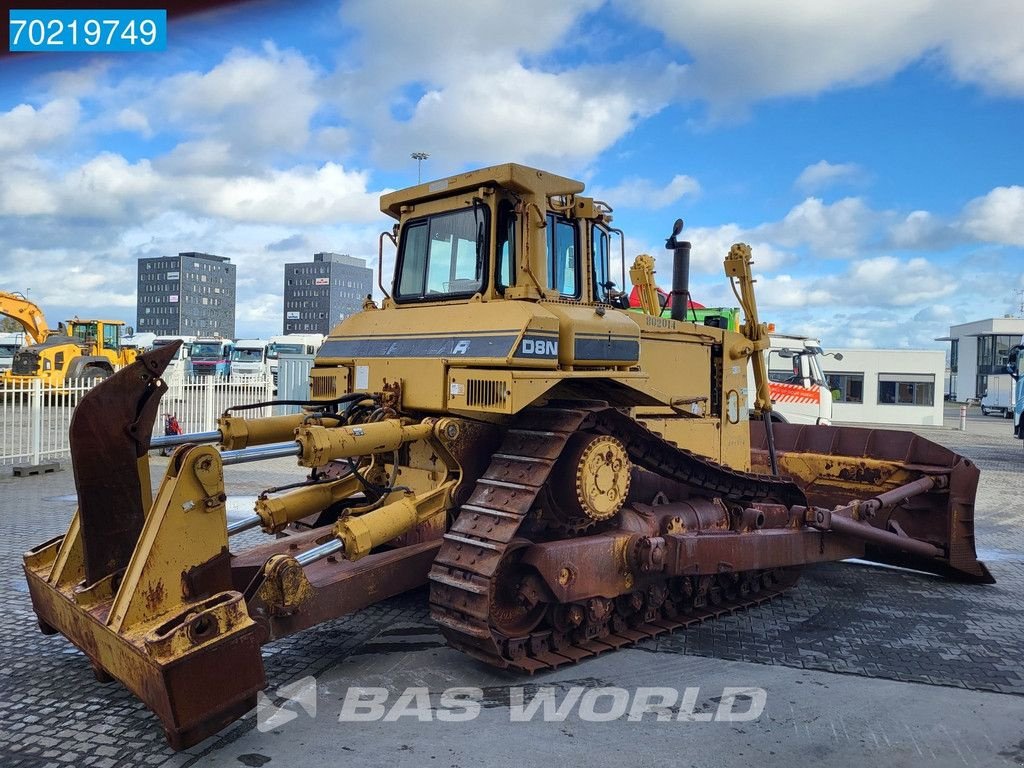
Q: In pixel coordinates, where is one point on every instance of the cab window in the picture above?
(506, 246)
(443, 256)
(111, 337)
(602, 271)
(563, 255)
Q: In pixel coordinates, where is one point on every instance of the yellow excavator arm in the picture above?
(31, 317)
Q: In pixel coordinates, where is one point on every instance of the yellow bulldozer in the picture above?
(568, 477)
(78, 350)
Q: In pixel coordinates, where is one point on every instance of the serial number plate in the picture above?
(87, 30)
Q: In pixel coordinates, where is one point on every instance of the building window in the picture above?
(846, 387)
(954, 355)
(992, 353)
(906, 389)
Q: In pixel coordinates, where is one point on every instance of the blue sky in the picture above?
(869, 151)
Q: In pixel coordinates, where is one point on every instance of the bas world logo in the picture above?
(546, 703)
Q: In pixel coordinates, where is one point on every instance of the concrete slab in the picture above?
(809, 718)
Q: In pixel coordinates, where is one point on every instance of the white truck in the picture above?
(249, 360)
(799, 391)
(9, 344)
(293, 344)
(999, 397)
(178, 366)
(1015, 366)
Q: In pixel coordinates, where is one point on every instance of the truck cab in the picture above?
(249, 360)
(10, 343)
(210, 357)
(799, 391)
(291, 344)
(1015, 367)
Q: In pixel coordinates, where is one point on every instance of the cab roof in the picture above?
(518, 178)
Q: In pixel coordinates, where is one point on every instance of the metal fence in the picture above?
(34, 419)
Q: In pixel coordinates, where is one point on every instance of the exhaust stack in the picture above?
(680, 272)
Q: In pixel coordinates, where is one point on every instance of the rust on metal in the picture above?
(110, 494)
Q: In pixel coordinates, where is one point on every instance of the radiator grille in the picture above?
(485, 393)
(324, 387)
(26, 363)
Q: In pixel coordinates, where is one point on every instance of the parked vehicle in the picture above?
(1000, 394)
(79, 349)
(1015, 364)
(210, 357)
(177, 368)
(292, 344)
(87, 350)
(9, 344)
(799, 391)
(249, 359)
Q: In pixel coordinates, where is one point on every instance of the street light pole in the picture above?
(419, 157)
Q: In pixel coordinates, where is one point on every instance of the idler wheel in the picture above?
(513, 611)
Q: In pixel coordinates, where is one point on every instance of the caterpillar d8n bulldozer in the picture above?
(566, 476)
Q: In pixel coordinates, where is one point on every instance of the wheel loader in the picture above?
(566, 476)
(85, 350)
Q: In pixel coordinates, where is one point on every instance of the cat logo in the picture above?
(461, 347)
(539, 347)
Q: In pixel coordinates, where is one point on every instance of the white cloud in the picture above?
(635, 192)
(748, 50)
(131, 119)
(295, 196)
(829, 230)
(711, 244)
(254, 101)
(825, 174)
(437, 47)
(516, 114)
(997, 217)
(109, 190)
(25, 128)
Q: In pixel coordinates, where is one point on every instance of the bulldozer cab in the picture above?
(506, 232)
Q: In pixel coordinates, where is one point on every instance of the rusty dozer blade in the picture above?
(838, 465)
(110, 431)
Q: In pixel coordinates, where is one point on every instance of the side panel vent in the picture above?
(324, 386)
(485, 393)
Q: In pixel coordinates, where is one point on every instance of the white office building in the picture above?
(886, 386)
(977, 353)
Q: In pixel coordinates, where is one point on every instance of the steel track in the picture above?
(466, 575)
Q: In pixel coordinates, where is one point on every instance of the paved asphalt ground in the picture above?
(856, 665)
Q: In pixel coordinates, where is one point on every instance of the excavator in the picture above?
(84, 350)
(27, 314)
(564, 476)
